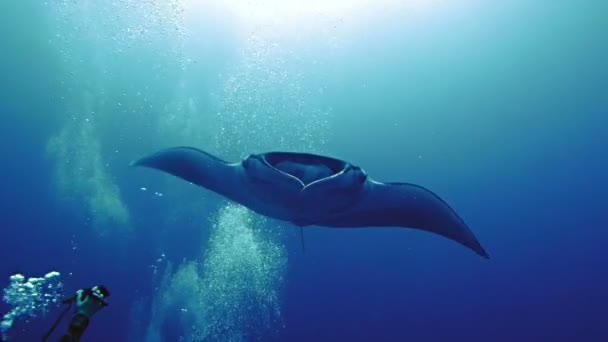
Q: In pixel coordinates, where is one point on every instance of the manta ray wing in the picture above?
(405, 205)
(200, 168)
(315, 190)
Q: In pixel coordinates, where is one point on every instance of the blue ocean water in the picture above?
(499, 107)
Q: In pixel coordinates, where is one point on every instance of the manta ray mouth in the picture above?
(307, 168)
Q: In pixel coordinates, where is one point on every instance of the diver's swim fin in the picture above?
(46, 336)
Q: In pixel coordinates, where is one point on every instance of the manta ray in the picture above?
(314, 190)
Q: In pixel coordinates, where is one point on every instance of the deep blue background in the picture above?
(514, 138)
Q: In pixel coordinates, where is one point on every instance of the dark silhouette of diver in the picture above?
(88, 302)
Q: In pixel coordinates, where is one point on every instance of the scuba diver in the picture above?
(88, 302)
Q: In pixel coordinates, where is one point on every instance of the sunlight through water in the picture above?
(126, 61)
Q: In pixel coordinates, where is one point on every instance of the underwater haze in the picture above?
(499, 107)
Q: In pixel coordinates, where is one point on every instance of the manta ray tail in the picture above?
(302, 240)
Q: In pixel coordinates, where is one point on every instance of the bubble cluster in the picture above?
(120, 26)
(83, 176)
(233, 294)
(177, 303)
(243, 275)
(96, 40)
(266, 105)
(182, 120)
(30, 297)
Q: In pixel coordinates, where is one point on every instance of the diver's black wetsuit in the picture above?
(88, 302)
(78, 325)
